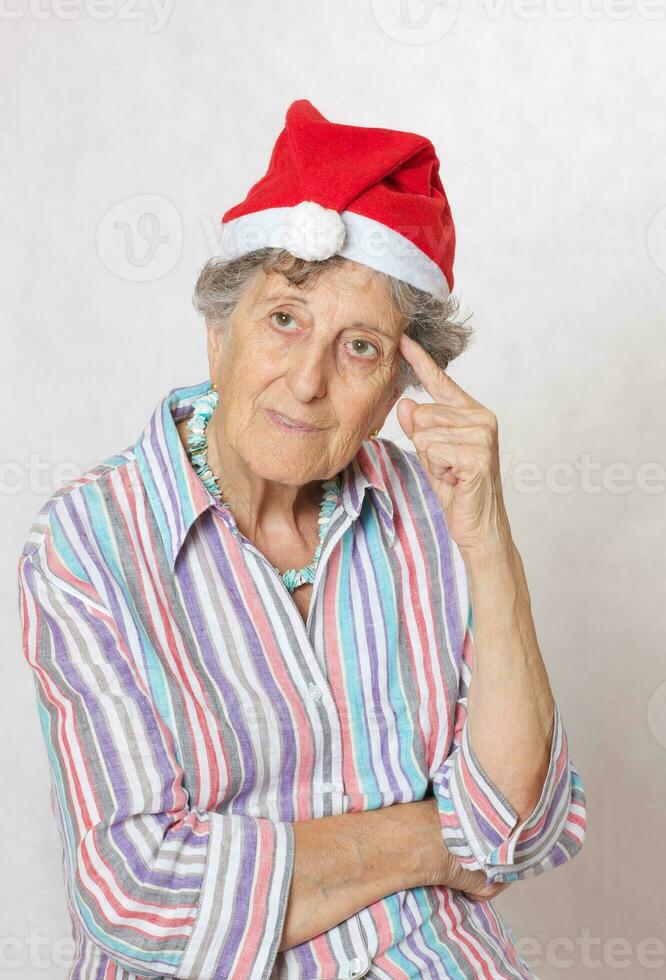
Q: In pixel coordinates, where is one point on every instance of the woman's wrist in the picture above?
(413, 839)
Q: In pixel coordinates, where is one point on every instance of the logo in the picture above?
(415, 21)
(140, 238)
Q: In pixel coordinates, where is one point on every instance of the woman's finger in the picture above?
(464, 435)
(430, 413)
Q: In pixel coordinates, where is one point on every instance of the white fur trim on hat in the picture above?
(362, 239)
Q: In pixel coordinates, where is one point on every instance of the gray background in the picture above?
(549, 122)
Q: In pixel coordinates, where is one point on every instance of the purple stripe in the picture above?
(249, 850)
(168, 476)
(368, 639)
(258, 657)
(418, 953)
(160, 879)
(454, 621)
(113, 656)
(211, 657)
(145, 606)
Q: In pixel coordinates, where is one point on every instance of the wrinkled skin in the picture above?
(297, 351)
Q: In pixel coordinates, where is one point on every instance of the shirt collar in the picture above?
(178, 496)
(366, 471)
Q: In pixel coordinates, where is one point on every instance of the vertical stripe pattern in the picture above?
(190, 716)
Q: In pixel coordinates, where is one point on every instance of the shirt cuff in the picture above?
(481, 827)
(244, 900)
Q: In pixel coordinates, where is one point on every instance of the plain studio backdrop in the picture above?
(132, 126)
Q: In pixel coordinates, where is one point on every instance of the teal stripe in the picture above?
(435, 942)
(123, 948)
(381, 568)
(54, 760)
(367, 778)
(118, 459)
(65, 811)
(394, 955)
(445, 805)
(174, 449)
(156, 504)
(154, 667)
(185, 395)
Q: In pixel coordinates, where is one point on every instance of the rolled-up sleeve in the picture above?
(479, 825)
(163, 888)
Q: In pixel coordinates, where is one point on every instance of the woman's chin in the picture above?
(280, 463)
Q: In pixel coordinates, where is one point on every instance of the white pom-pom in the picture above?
(313, 232)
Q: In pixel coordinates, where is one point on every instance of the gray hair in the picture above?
(432, 323)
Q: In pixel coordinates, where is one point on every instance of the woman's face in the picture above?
(326, 356)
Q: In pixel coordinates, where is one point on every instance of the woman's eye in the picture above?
(365, 344)
(363, 350)
(284, 316)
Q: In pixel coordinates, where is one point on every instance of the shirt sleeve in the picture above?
(479, 825)
(163, 888)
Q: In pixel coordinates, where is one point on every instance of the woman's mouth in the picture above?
(287, 424)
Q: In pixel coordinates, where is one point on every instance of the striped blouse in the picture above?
(190, 716)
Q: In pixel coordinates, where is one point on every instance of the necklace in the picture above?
(203, 408)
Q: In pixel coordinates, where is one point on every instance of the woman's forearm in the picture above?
(509, 704)
(345, 862)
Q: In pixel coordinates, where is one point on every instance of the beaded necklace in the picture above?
(203, 408)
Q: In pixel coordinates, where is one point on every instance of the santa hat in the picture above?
(371, 195)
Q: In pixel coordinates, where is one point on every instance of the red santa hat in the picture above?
(372, 195)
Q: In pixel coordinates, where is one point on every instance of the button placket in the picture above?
(315, 692)
(324, 700)
(359, 964)
(357, 967)
(321, 691)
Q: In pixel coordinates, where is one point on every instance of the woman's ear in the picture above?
(394, 398)
(391, 402)
(215, 340)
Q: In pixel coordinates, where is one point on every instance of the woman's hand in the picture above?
(473, 884)
(445, 869)
(457, 442)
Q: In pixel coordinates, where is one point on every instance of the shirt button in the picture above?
(315, 692)
(355, 967)
(327, 787)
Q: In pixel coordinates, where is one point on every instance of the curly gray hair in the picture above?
(432, 323)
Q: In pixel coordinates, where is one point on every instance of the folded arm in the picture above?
(511, 801)
(164, 888)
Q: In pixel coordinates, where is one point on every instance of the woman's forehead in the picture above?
(358, 287)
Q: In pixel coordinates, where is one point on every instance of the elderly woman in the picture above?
(280, 744)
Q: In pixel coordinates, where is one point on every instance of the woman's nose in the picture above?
(308, 366)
